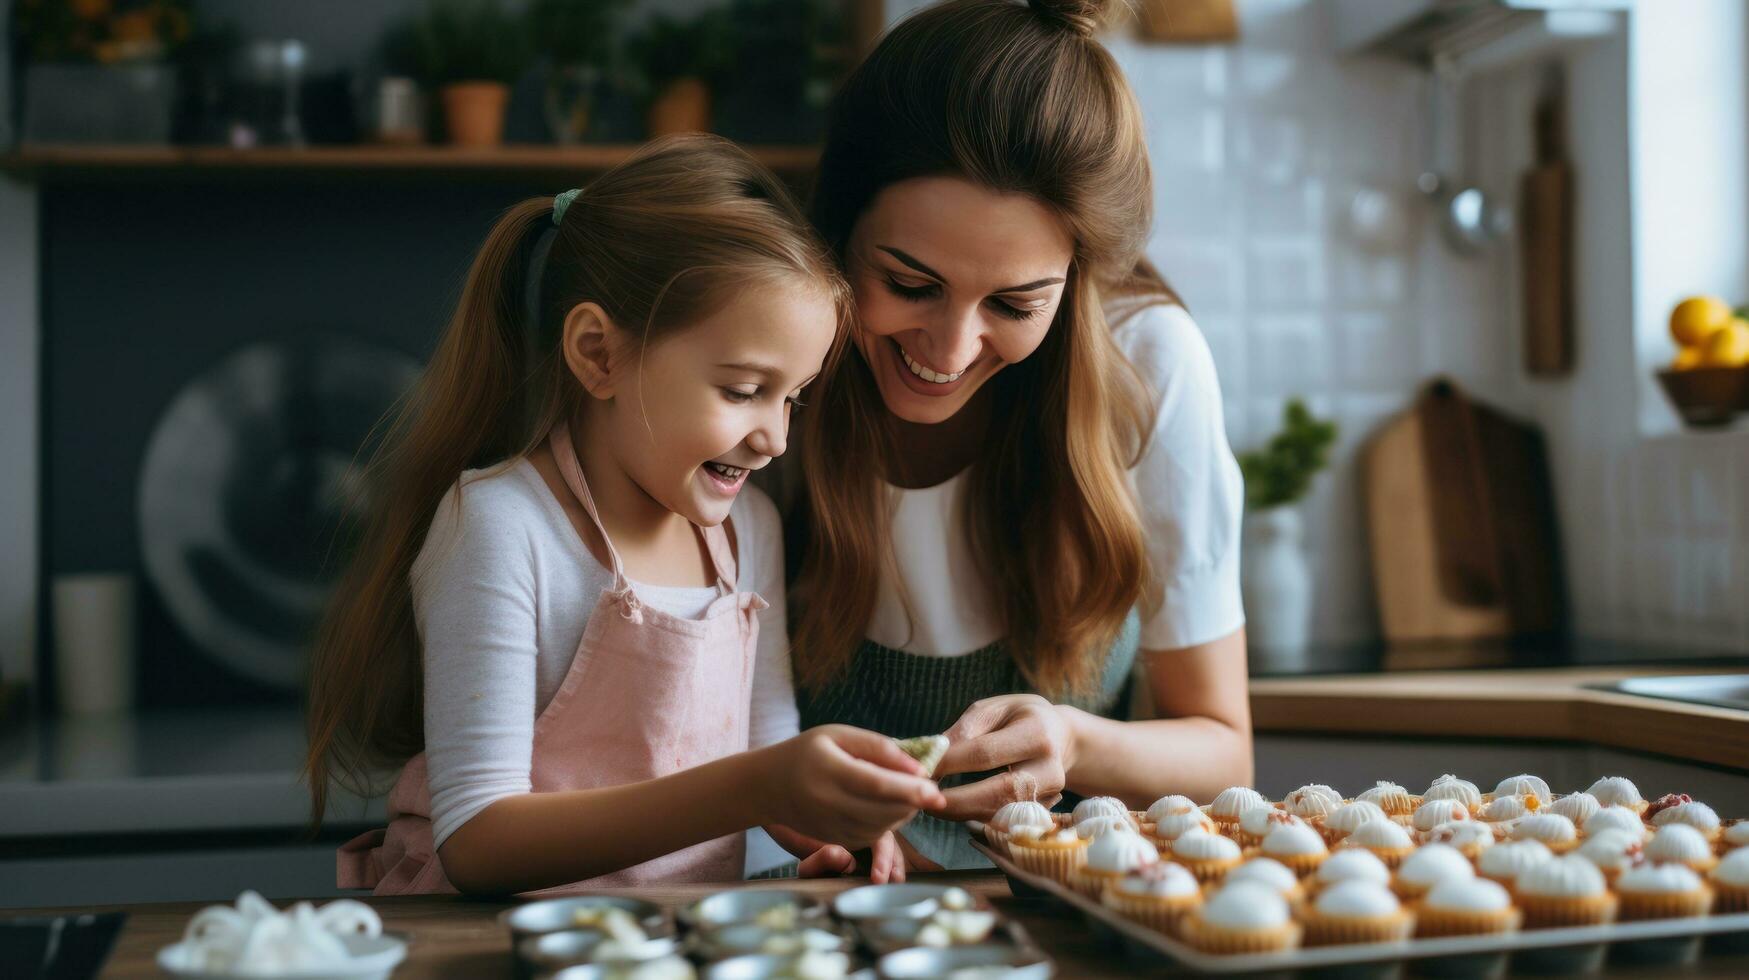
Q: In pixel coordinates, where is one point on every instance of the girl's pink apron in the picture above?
(647, 694)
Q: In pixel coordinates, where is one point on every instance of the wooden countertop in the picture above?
(1542, 704)
(452, 937)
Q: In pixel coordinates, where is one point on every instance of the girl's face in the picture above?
(692, 414)
(953, 282)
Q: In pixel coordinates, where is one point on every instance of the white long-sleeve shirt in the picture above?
(502, 589)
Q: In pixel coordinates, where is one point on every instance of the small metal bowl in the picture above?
(764, 966)
(904, 901)
(884, 936)
(678, 965)
(920, 962)
(553, 951)
(746, 904)
(745, 938)
(560, 915)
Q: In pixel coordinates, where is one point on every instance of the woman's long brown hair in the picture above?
(1025, 101)
(659, 242)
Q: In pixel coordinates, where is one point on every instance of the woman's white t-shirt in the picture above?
(935, 601)
(502, 589)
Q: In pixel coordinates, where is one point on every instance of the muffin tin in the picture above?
(1574, 950)
(722, 937)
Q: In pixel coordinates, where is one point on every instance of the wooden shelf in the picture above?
(56, 164)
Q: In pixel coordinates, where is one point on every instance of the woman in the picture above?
(1019, 485)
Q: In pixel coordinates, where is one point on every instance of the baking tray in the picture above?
(1574, 950)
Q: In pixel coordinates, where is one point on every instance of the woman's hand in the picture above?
(884, 862)
(845, 785)
(1023, 733)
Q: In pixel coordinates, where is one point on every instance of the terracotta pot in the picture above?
(473, 112)
(683, 107)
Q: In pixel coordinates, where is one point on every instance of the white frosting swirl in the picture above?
(1469, 895)
(1235, 800)
(1449, 787)
(1734, 869)
(1357, 899)
(1616, 791)
(1260, 820)
(1120, 850)
(1615, 817)
(1020, 812)
(1550, 828)
(1246, 905)
(1737, 834)
(1462, 833)
(1204, 846)
(1380, 835)
(1293, 839)
(1347, 817)
(1311, 801)
(1175, 825)
(1513, 858)
(1570, 876)
(1612, 849)
(1163, 879)
(1504, 808)
(1661, 878)
(1577, 807)
(1696, 814)
(1387, 795)
(1167, 805)
(1678, 842)
(1099, 806)
(1266, 870)
(1433, 864)
(1435, 812)
(1351, 864)
(1521, 784)
(1044, 834)
(1100, 826)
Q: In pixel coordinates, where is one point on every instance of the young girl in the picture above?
(599, 609)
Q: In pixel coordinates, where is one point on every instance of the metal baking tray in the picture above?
(1668, 941)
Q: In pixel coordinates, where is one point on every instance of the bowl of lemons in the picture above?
(1708, 381)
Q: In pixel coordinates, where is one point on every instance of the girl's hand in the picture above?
(886, 863)
(847, 785)
(1023, 733)
(829, 861)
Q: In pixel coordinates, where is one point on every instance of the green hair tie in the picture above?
(563, 200)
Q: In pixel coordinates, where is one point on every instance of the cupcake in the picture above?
(1297, 846)
(1357, 912)
(1013, 815)
(1466, 907)
(1232, 803)
(1429, 866)
(1387, 841)
(1166, 805)
(1556, 832)
(1502, 809)
(1435, 812)
(1661, 891)
(1470, 837)
(1094, 827)
(1577, 807)
(1505, 862)
(1344, 819)
(1099, 806)
(1679, 843)
(1618, 791)
(1158, 896)
(1391, 798)
(1615, 817)
(1730, 881)
(1110, 856)
(1613, 851)
(1206, 855)
(1351, 864)
(1270, 872)
(1449, 787)
(1663, 803)
(1564, 891)
(1697, 815)
(1050, 851)
(1175, 825)
(1309, 802)
(1523, 785)
(1256, 823)
(1246, 917)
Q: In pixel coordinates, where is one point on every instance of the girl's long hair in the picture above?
(659, 242)
(1025, 101)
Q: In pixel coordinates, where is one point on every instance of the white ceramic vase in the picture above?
(1277, 586)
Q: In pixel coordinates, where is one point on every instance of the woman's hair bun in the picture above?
(1084, 17)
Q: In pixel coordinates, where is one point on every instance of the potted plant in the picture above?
(1276, 582)
(578, 42)
(681, 60)
(470, 51)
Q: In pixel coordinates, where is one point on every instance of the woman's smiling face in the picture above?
(953, 282)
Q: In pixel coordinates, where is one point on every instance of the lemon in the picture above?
(1728, 347)
(1697, 318)
(1686, 357)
